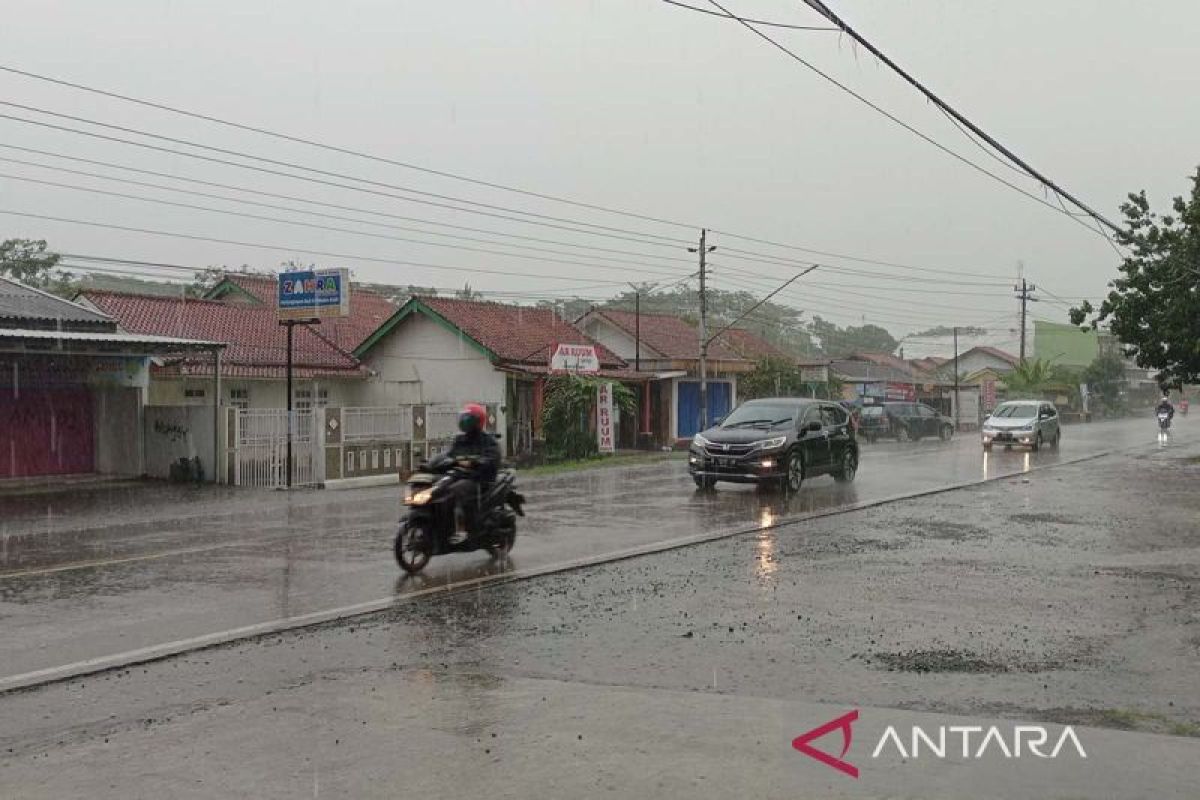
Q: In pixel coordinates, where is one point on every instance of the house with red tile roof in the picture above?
(368, 309)
(254, 365)
(670, 346)
(448, 350)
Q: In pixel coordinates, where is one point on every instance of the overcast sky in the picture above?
(630, 104)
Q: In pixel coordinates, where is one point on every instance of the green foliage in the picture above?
(569, 411)
(772, 377)
(836, 341)
(467, 293)
(1153, 308)
(1105, 378)
(1029, 377)
(28, 261)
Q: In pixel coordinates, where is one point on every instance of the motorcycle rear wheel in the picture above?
(413, 548)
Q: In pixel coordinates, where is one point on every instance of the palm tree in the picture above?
(1030, 377)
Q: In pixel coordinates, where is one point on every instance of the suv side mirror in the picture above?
(813, 427)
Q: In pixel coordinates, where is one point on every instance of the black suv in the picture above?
(903, 421)
(776, 440)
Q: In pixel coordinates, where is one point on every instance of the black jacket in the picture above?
(483, 447)
(1165, 405)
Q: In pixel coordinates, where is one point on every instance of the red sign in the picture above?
(989, 395)
(901, 391)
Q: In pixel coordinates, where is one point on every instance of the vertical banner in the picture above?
(604, 418)
(989, 396)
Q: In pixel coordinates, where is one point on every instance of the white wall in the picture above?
(420, 361)
(174, 432)
(977, 361)
(614, 338)
(118, 430)
(263, 393)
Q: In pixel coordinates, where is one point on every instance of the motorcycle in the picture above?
(426, 529)
(1164, 421)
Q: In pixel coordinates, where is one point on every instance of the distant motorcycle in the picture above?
(1164, 421)
(426, 529)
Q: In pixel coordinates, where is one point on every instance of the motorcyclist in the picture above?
(474, 449)
(1164, 406)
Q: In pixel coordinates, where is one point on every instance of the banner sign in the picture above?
(574, 358)
(604, 418)
(814, 375)
(989, 395)
(314, 294)
(901, 391)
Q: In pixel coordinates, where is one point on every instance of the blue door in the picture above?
(720, 396)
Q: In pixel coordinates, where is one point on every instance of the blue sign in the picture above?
(314, 293)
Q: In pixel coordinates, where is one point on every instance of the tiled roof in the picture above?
(857, 369)
(750, 345)
(995, 352)
(257, 342)
(20, 302)
(669, 336)
(884, 360)
(513, 333)
(368, 310)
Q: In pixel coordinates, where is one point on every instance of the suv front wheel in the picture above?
(795, 472)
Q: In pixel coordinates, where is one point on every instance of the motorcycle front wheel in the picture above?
(413, 548)
(505, 540)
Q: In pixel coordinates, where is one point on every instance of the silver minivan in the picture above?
(1023, 423)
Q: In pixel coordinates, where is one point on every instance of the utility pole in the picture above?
(1023, 294)
(704, 249)
(956, 379)
(638, 289)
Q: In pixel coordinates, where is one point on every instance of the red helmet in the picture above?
(472, 418)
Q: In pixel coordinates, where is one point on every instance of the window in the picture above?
(239, 398)
(811, 414)
(374, 459)
(349, 461)
(302, 399)
(832, 416)
(322, 398)
(194, 393)
(387, 459)
(926, 412)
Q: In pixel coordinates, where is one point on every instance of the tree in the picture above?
(28, 261)
(467, 293)
(567, 412)
(771, 377)
(1030, 377)
(836, 341)
(1154, 307)
(1105, 377)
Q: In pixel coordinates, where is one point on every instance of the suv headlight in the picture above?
(771, 444)
(699, 441)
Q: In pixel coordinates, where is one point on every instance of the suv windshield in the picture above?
(1015, 412)
(763, 414)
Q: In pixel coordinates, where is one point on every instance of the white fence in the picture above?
(375, 424)
(261, 436)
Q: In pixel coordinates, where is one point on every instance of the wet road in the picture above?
(107, 572)
(1066, 597)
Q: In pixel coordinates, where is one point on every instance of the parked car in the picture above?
(1025, 423)
(904, 421)
(782, 441)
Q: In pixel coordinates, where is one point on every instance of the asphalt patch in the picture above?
(951, 660)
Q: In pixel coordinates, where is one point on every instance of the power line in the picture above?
(859, 271)
(293, 198)
(666, 240)
(334, 148)
(825, 11)
(765, 23)
(333, 228)
(795, 56)
(281, 248)
(828, 254)
(409, 165)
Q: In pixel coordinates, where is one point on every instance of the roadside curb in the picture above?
(43, 677)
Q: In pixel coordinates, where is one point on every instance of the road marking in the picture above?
(158, 652)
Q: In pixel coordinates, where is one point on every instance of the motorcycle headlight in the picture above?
(770, 444)
(700, 441)
(418, 498)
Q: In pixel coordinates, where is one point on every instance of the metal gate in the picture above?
(261, 455)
